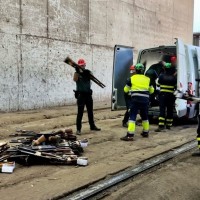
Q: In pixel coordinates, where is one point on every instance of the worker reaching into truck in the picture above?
(153, 73)
(139, 86)
(127, 97)
(167, 82)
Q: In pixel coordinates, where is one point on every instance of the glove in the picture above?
(77, 70)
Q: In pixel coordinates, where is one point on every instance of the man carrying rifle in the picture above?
(83, 94)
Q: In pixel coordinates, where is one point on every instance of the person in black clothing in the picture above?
(127, 97)
(167, 82)
(83, 94)
(153, 73)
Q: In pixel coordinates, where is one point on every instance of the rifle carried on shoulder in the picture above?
(70, 62)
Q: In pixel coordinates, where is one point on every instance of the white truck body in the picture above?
(188, 71)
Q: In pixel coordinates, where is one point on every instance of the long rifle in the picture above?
(70, 62)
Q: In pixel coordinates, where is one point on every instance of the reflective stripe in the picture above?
(163, 90)
(198, 139)
(145, 125)
(139, 94)
(169, 124)
(131, 132)
(131, 126)
(161, 121)
(167, 86)
(169, 120)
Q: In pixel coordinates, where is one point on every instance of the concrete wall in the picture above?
(37, 35)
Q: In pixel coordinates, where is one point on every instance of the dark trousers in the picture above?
(136, 107)
(127, 113)
(166, 103)
(126, 116)
(82, 101)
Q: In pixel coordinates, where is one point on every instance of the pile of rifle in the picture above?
(61, 147)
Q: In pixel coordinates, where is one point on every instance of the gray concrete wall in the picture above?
(36, 36)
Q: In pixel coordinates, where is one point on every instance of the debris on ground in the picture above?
(31, 148)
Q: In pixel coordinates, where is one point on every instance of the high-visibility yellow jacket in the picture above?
(139, 86)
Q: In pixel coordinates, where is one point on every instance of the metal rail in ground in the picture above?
(100, 186)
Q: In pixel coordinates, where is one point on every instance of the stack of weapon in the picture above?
(60, 147)
(70, 62)
(3, 147)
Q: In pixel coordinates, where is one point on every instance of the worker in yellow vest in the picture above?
(140, 88)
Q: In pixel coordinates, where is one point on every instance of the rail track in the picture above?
(99, 188)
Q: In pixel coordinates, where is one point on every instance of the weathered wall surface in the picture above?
(36, 36)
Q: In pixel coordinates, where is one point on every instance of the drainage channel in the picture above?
(102, 185)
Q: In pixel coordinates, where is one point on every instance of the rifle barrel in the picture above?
(70, 62)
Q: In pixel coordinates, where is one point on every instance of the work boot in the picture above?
(168, 127)
(160, 129)
(78, 132)
(145, 134)
(94, 128)
(128, 137)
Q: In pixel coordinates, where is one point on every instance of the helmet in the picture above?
(173, 59)
(168, 65)
(132, 69)
(81, 62)
(139, 68)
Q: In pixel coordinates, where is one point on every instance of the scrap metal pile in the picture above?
(60, 147)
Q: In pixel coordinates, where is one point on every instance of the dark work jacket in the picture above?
(83, 85)
(153, 72)
(167, 82)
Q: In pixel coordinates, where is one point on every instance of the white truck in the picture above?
(188, 74)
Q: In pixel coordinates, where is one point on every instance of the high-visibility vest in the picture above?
(139, 86)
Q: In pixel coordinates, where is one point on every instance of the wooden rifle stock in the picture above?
(70, 62)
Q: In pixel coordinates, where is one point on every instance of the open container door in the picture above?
(191, 53)
(182, 78)
(123, 59)
(198, 63)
